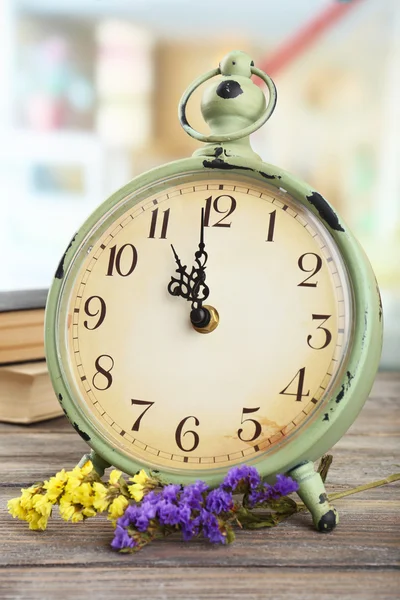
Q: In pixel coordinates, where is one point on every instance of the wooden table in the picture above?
(360, 559)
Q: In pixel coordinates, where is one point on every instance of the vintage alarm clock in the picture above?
(215, 311)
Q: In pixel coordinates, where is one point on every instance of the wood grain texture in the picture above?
(360, 559)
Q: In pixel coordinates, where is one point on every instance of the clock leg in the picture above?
(99, 464)
(312, 492)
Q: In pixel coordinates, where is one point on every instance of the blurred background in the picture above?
(88, 99)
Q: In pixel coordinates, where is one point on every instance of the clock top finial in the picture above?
(232, 105)
(236, 63)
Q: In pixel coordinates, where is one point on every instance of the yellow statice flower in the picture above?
(80, 494)
(136, 491)
(27, 494)
(67, 509)
(16, 510)
(117, 507)
(141, 484)
(83, 495)
(77, 475)
(84, 470)
(114, 477)
(77, 516)
(141, 478)
(55, 485)
(89, 511)
(36, 520)
(31, 507)
(101, 501)
(42, 504)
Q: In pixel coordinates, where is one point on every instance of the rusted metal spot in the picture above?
(229, 89)
(345, 387)
(83, 435)
(59, 274)
(325, 211)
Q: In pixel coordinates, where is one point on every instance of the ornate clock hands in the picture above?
(192, 286)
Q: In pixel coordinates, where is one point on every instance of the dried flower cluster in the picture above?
(195, 509)
(80, 494)
(143, 509)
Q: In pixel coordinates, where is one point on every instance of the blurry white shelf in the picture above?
(57, 143)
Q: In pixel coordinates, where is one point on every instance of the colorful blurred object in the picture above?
(55, 86)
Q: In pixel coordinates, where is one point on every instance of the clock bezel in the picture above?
(353, 382)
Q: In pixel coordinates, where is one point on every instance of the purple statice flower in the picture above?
(195, 509)
(168, 513)
(192, 495)
(283, 487)
(170, 492)
(210, 527)
(129, 515)
(190, 528)
(185, 513)
(122, 539)
(219, 500)
(149, 509)
(241, 474)
(152, 498)
(141, 522)
(260, 495)
(147, 512)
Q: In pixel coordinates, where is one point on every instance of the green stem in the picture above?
(367, 486)
(356, 490)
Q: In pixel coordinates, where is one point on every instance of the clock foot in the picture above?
(99, 464)
(312, 492)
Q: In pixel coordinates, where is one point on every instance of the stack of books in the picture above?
(26, 393)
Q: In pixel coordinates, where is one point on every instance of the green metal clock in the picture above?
(215, 311)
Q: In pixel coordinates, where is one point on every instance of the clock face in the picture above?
(170, 397)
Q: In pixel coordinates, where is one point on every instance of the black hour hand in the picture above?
(179, 286)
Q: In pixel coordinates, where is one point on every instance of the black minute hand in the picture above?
(199, 316)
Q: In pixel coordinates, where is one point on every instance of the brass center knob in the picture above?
(211, 322)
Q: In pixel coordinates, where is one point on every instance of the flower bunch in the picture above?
(143, 509)
(196, 510)
(80, 494)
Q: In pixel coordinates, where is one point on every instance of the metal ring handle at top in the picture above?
(226, 137)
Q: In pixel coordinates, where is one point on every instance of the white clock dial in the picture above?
(172, 398)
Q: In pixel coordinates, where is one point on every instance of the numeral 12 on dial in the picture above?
(217, 206)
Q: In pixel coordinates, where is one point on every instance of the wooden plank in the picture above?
(367, 536)
(161, 583)
(48, 426)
